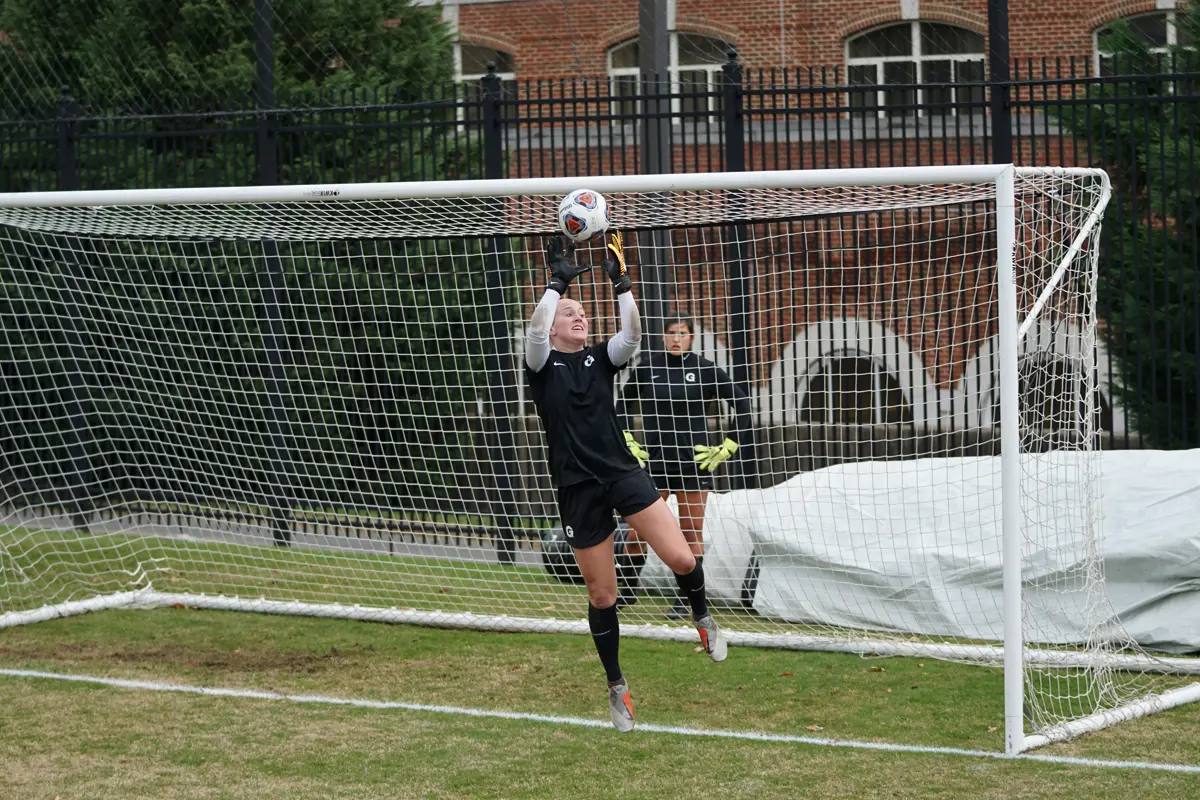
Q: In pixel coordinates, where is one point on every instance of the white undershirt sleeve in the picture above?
(622, 346)
(537, 340)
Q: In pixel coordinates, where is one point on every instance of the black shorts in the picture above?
(674, 469)
(679, 476)
(586, 509)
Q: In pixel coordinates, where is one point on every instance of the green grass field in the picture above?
(69, 739)
(65, 740)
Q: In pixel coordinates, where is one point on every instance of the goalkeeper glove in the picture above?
(558, 257)
(709, 458)
(636, 449)
(615, 266)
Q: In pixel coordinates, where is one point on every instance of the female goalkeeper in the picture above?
(572, 387)
(672, 389)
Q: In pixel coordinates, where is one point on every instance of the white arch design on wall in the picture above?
(978, 386)
(780, 401)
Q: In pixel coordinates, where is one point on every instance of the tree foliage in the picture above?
(162, 343)
(158, 56)
(1145, 130)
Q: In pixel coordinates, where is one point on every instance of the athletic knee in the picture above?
(682, 562)
(602, 596)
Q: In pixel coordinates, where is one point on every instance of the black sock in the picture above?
(606, 633)
(681, 598)
(629, 571)
(691, 587)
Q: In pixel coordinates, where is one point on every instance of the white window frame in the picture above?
(674, 68)
(822, 369)
(915, 57)
(504, 76)
(1172, 35)
(476, 77)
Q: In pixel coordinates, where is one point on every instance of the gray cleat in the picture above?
(712, 638)
(620, 706)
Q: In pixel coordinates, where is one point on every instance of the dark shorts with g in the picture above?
(586, 508)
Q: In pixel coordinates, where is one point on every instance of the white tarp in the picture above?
(915, 547)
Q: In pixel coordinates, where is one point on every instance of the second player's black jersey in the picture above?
(573, 394)
(672, 392)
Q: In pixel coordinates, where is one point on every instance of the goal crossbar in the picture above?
(695, 181)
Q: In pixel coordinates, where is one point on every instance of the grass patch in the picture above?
(78, 740)
(57, 566)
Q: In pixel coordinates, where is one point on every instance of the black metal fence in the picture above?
(749, 120)
(797, 119)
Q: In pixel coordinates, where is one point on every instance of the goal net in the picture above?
(311, 400)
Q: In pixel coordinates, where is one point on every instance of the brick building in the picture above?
(817, 360)
(926, 38)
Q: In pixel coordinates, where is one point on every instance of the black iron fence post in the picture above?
(737, 261)
(491, 93)
(264, 93)
(998, 66)
(68, 171)
(278, 489)
(76, 396)
(499, 275)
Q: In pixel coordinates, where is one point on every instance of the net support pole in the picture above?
(1010, 464)
(654, 246)
(77, 396)
(738, 263)
(499, 275)
(276, 358)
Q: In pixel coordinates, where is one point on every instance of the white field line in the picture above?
(581, 722)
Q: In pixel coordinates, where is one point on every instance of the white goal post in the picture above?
(309, 400)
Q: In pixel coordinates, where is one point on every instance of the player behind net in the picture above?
(571, 383)
(672, 389)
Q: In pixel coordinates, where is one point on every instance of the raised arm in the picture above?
(622, 346)
(559, 256)
(537, 338)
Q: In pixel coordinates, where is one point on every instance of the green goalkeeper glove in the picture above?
(709, 458)
(636, 449)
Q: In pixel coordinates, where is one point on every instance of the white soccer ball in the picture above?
(583, 215)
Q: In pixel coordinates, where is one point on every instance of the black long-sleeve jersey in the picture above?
(573, 393)
(672, 392)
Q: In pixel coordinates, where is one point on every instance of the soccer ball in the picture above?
(583, 215)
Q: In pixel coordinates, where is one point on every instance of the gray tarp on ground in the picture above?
(915, 546)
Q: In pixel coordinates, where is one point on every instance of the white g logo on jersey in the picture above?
(569, 531)
(587, 362)
(690, 377)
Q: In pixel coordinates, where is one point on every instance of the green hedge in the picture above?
(166, 348)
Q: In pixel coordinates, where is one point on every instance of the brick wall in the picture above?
(550, 38)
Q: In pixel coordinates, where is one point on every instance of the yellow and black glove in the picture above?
(614, 265)
(710, 457)
(636, 449)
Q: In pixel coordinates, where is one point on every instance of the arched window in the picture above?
(471, 63)
(694, 65)
(854, 390)
(926, 61)
(1156, 29)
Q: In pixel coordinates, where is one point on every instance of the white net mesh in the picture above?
(320, 406)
